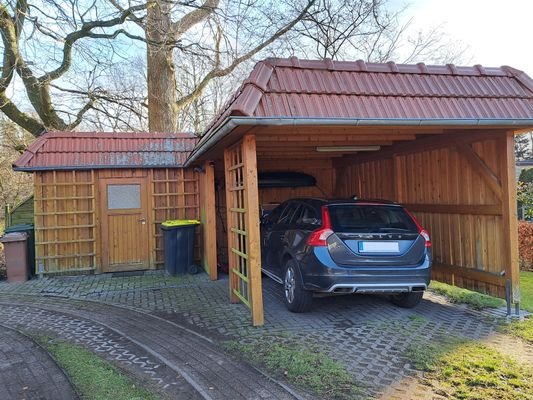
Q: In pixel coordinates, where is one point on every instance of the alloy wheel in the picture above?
(290, 283)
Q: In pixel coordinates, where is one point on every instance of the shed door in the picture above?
(125, 233)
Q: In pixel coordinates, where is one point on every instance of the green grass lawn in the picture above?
(526, 290)
(523, 329)
(466, 370)
(93, 377)
(304, 366)
(458, 295)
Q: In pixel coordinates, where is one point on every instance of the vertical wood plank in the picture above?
(252, 228)
(95, 220)
(510, 222)
(398, 178)
(208, 217)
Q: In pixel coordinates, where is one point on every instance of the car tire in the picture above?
(297, 299)
(407, 300)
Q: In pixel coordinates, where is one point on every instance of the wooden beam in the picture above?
(468, 209)
(398, 178)
(253, 238)
(260, 131)
(419, 145)
(321, 136)
(510, 222)
(208, 219)
(454, 272)
(475, 161)
(312, 145)
(295, 156)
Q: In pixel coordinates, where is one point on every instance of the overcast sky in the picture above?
(498, 32)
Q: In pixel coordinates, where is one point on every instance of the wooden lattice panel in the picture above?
(175, 194)
(242, 204)
(65, 226)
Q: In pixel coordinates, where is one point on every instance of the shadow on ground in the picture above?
(366, 334)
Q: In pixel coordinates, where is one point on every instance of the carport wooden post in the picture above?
(510, 222)
(242, 203)
(208, 219)
(253, 239)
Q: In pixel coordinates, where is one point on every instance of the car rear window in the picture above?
(370, 218)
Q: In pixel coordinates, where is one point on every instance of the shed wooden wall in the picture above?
(448, 188)
(67, 225)
(22, 213)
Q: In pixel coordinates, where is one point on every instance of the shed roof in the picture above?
(96, 150)
(396, 94)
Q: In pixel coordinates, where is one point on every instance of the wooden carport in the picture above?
(441, 141)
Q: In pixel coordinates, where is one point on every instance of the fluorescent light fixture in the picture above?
(347, 148)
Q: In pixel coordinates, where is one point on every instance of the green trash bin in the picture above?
(30, 230)
(179, 245)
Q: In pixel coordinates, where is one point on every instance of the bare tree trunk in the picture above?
(162, 110)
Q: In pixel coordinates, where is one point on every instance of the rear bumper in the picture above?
(321, 274)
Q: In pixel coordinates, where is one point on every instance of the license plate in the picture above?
(379, 247)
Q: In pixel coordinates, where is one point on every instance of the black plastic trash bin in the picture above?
(179, 245)
(30, 230)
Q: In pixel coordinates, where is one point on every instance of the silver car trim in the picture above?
(376, 287)
(272, 276)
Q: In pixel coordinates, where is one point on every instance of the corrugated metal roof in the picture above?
(341, 89)
(91, 150)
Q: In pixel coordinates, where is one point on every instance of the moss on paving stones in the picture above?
(459, 295)
(522, 329)
(305, 366)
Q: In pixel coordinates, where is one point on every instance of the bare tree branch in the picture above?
(193, 17)
(217, 72)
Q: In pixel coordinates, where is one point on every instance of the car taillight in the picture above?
(320, 236)
(421, 230)
(426, 237)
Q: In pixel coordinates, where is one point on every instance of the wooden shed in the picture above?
(438, 139)
(100, 198)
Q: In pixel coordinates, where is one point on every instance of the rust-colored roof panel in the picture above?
(377, 107)
(418, 94)
(344, 89)
(88, 150)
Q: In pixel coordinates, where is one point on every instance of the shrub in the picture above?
(525, 244)
(526, 175)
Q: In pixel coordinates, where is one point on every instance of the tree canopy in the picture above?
(170, 65)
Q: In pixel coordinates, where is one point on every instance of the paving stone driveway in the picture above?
(365, 333)
(28, 372)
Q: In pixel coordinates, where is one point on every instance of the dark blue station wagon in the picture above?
(345, 246)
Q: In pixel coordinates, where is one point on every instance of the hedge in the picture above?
(525, 244)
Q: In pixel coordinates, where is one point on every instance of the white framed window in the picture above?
(123, 196)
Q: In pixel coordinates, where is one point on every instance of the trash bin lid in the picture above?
(180, 222)
(14, 237)
(19, 228)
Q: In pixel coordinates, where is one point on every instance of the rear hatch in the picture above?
(374, 235)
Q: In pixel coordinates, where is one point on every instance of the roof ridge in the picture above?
(257, 81)
(387, 67)
(520, 76)
(31, 150)
(391, 94)
(113, 135)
